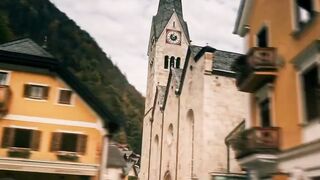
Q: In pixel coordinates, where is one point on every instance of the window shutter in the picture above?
(45, 92)
(8, 137)
(55, 141)
(26, 92)
(82, 144)
(35, 140)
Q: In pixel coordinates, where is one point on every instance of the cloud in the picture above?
(122, 28)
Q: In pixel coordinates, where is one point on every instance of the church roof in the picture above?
(161, 95)
(115, 158)
(223, 60)
(165, 11)
(176, 75)
(25, 46)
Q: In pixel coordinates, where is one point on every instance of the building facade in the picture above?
(281, 71)
(191, 104)
(51, 126)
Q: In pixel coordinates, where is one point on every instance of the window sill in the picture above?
(311, 122)
(67, 105)
(34, 99)
(18, 152)
(68, 156)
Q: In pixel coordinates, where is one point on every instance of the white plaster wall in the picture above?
(113, 174)
(224, 108)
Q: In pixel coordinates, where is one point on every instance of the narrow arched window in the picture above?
(172, 61)
(178, 62)
(166, 62)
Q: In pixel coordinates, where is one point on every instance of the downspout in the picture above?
(178, 132)
(150, 142)
(104, 156)
(161, 146)
(228, 157)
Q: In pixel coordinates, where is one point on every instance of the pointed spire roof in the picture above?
(167, 6)
(25, 46)
(165, 11)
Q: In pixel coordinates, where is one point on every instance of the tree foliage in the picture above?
(38, 19)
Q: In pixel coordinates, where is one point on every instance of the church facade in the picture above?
(191, 105)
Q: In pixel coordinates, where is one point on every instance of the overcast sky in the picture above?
(122, 28)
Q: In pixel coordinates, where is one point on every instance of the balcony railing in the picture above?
(257, 140)
(255, 69)
(5, 95)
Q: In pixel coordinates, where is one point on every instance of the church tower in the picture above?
(168, 44)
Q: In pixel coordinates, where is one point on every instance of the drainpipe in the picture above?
(150, 142)
(104, 156)
(161, 145)
(228, 157)
(178, 132)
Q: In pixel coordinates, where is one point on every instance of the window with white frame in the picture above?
(264, 104)
(36, 91)
(3, 78)
(69, 142)
(20, 138)
(304, 12)
(65, 96)
(311, 90)
(263, 37)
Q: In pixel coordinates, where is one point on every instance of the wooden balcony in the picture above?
(5, 96)
(257, 140)
(255, 69)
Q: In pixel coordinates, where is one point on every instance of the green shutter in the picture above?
(82, 144)
(55, 141)
(7, 137)
(35, 140)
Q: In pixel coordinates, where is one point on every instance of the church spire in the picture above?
(168, 6)
(165, 10)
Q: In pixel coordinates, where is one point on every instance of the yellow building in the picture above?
(51, 126)
(282, 72)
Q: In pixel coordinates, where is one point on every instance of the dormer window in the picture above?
(262, 37)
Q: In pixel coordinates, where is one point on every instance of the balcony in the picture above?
(255, 69)
(256, 140)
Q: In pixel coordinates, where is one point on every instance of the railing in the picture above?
(257, 140)
(5, 95)
(257, 60)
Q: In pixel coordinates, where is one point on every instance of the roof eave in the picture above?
(241, 26)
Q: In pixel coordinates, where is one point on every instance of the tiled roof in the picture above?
(161, 95)
(25, 46)
(195, 50)
(176, 75)
(115, 158)
(223, 60)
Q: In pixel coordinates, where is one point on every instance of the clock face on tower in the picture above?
(173, 37)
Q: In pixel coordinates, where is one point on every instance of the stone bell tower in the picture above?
(168, 45)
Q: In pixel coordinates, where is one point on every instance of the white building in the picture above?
(191, 105)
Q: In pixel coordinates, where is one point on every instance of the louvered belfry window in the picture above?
(21, 138)
(36, 91)
(69, 142)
